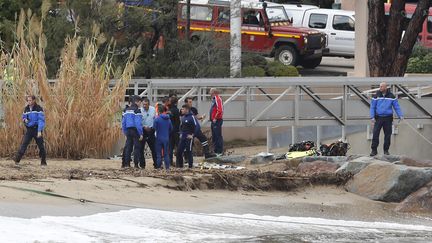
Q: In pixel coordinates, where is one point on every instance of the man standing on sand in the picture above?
(132, 129)
(174, 114)
(381, 114)
(200, 135)
(149, 113)
(163, 127)
(187, 130)
(216, 118)
(34, 121)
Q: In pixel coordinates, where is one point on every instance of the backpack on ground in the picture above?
(338, 148)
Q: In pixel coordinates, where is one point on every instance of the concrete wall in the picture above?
(406, 142)
(349, 4)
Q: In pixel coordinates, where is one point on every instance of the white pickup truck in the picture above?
(337, 24)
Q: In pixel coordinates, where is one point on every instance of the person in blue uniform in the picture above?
(34, 121)
(188, 128)
(133, 130)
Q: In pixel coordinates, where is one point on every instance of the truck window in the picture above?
(252, 17)
(277, 14)
(201, 13)
(341, 22)
(223, 15)
(318, 21)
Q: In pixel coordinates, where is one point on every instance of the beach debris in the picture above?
(227, 159)
(262, 158)
(209, 166)
(388, 182)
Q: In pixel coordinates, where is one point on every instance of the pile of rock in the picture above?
(383, 178)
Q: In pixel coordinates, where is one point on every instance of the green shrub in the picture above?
(253, 71)
(277, 69)
(250, 59)
(420, 51)
(217, 72)
(420, 64)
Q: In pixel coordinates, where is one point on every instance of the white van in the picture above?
(337, 24)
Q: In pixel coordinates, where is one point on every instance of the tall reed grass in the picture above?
(80, 107)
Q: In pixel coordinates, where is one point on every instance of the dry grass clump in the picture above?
(80, 107)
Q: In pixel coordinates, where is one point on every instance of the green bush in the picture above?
(277, 69)
(420, 64)
(420, 51)
(420, 60)
(250, 59)
(253, 71)
(217, 72)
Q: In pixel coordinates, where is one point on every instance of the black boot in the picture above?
(43, 162)
(373, 153)
(17, 159)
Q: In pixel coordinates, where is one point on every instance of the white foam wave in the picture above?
(146, 225)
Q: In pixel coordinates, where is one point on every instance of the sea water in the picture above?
(147, 225)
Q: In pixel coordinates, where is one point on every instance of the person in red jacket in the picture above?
(216, 118)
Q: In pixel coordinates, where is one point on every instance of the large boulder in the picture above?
(317, 167)
(333, 159)
(418, 202)
(356, 165)
(416, 163)
(388, 182)
(227, 159)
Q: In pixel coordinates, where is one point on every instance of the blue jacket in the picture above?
(132, 118)
(163, 127)
(35, 117)
(188, 125)
(383, 105)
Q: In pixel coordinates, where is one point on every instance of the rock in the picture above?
(389, 158)
(334, 159)
(352, 167)
(416, 163)
(418, 202)
(227, 159)
(317, 167)
(262, 158)
(388, 182)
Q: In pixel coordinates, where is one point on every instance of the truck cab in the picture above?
(266, 30)
(338, 25)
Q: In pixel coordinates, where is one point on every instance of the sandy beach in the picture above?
(85, 187)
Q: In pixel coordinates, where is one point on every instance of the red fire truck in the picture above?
(265, 30)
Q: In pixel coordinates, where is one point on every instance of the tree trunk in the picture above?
(376, 37)
(388, 55)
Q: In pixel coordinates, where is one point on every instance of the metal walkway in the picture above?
(269, 102)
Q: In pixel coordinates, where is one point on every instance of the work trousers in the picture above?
(30, 134)
(132, 144)
(384, 123)
(216, 128)
(162, 145)
(149, 138)
(185, 146)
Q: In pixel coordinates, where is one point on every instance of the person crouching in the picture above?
(132, 129)
(163, 128)
(188, 128)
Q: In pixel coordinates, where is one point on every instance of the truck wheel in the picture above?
(287, 55)
(311, 63)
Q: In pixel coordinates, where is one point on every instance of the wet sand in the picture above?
(31, 191)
